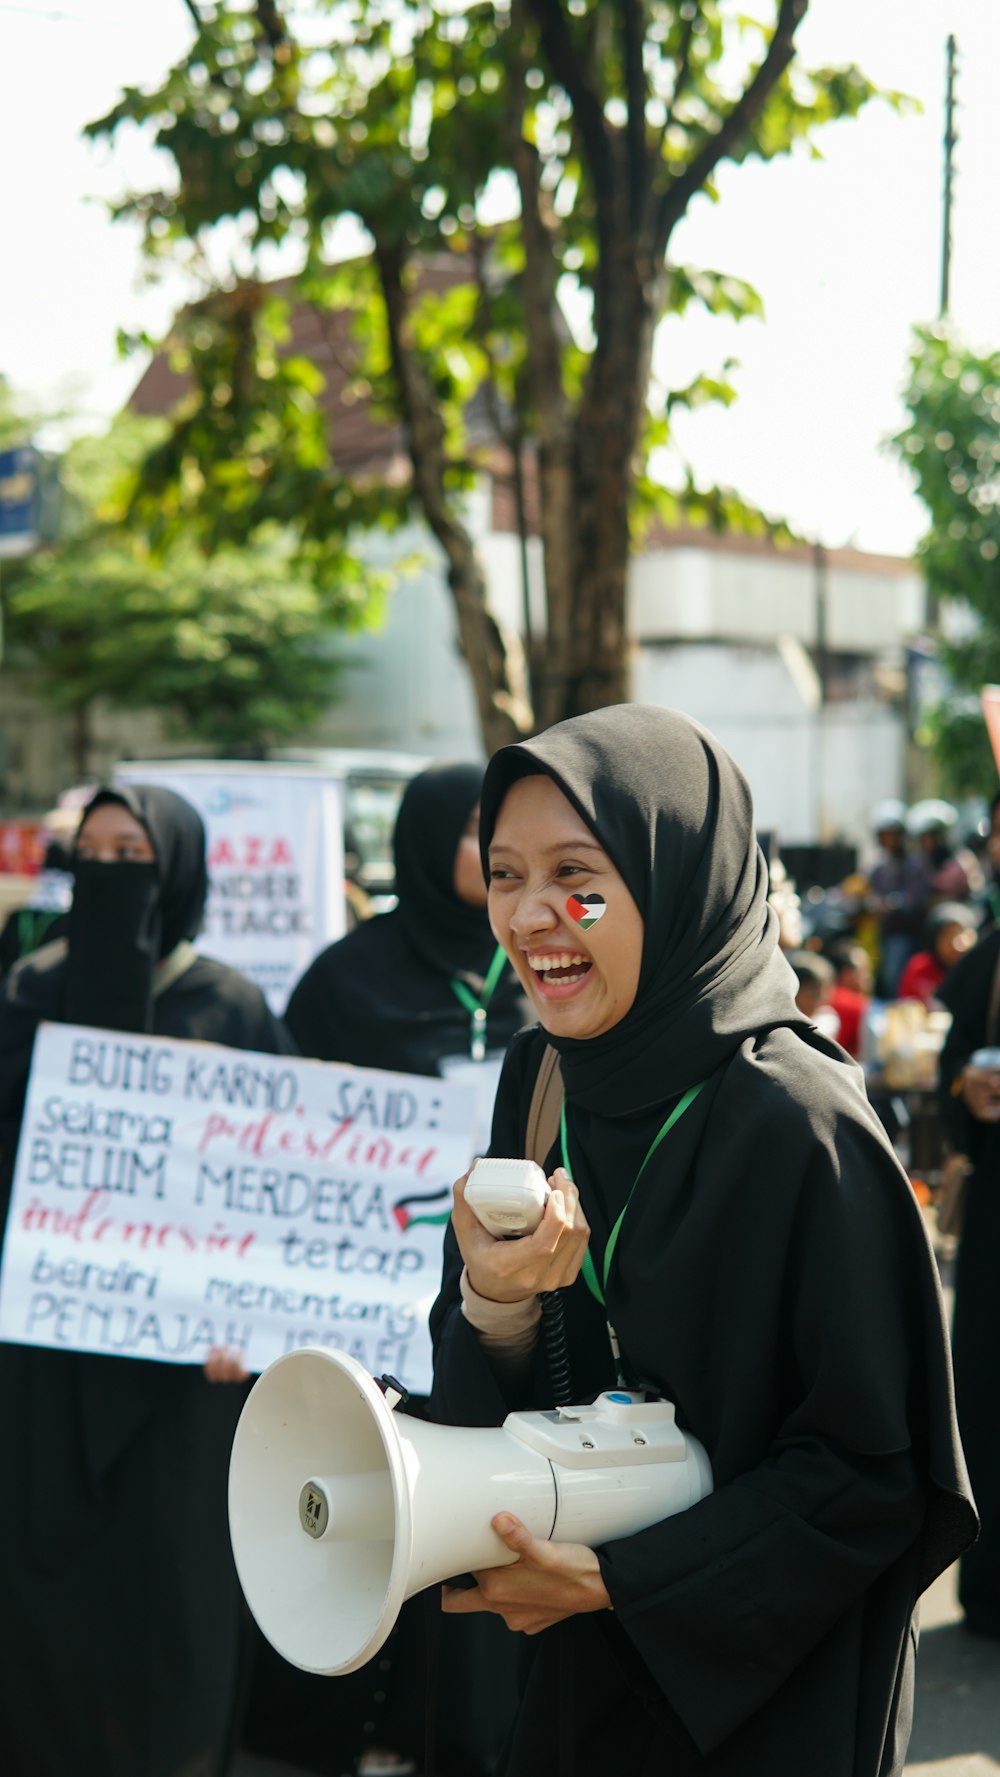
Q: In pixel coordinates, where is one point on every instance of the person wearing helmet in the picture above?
(897, 896)
(952, 871)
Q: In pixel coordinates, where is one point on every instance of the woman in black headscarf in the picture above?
(411, 989)
(120, 1595)
(761, 1260)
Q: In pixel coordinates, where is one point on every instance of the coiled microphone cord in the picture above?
(556, 1347)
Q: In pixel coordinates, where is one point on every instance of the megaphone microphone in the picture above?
(340, 1509)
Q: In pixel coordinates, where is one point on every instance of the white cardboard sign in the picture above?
(171, 1196)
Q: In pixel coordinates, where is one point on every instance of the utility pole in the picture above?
(950, 139)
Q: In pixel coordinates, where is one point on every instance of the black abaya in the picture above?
(120, 1595)
(384, 997)
(772, 1278)
(976, 1327)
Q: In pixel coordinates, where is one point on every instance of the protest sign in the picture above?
(172, 1196)
(275, 863)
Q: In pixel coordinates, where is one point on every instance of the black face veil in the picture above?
(126, 916)
(448, 933)
(674, 814)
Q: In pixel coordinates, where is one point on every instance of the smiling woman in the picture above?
(722, 1196)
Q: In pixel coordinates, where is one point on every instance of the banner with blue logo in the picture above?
(19, 500)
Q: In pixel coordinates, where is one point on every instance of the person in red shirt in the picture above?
(850, 995)
(951, 931)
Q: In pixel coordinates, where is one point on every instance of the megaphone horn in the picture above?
(340, 1509)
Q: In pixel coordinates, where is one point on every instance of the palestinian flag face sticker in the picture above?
(586, 910)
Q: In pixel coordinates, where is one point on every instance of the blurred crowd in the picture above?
(891, 935)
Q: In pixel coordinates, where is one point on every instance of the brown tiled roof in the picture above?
(684, 536)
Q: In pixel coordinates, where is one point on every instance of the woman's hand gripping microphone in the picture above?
(546, 1257)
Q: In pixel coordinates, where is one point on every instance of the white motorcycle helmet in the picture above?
(889, 815)
(931, 816)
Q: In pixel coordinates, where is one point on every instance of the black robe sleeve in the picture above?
(966, 991)
(313, 1015)
(725, 1601)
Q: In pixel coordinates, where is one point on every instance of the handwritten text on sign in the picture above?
(172, 1196)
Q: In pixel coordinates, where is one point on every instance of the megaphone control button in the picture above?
(621, 1408)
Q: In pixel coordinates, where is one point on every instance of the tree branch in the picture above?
(272, 24)
(544, 346)
(780, 52)
(569, 71)
(495, 660)
(635, 88)
(683, 69)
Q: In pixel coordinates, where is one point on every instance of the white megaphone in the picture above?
(340, 1509)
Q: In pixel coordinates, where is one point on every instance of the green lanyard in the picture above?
(476, 1007)
(589, 1273)
(31, 929)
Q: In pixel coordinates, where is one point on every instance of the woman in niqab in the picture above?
(400, 991)
(969, 1094)
(723, 1199)
(424, 989)
(124, 1616)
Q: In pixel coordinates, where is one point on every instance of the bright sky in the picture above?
(845, 251)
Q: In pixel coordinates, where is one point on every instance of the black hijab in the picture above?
(127, 916)
(448, 933)
(384, 996)
(674, 814)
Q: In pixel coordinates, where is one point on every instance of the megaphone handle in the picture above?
(394, 1392)
(461, 1582)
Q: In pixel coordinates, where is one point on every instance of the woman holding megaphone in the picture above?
(727, 1227)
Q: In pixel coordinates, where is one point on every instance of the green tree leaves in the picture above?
(952, 445)
(233, 647)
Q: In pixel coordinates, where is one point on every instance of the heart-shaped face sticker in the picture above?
(586, 910)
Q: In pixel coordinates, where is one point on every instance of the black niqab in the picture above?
(177, 835)
(384, 996)
(448, 933)
(126, 916)
(674, 814)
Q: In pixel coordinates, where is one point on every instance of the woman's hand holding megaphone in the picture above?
(549, 1581)
(514, 1270)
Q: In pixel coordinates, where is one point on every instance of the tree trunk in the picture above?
(495, 661)
(82, 741)
(592, 667)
